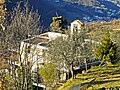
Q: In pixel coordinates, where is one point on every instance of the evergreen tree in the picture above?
(106, 50)
(58, 24)
(116, 38)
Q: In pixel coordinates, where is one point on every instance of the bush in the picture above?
(48, 73)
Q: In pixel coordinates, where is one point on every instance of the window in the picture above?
(28, 49)
(40, 60)
(75, 26)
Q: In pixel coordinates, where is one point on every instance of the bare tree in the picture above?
(23, 23)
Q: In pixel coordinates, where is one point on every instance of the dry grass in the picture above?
(106, 76)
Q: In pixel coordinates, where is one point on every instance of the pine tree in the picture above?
(106, 50)
(58, 24)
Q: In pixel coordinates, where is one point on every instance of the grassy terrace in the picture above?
(106, 76)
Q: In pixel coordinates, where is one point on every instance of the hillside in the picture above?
(70, 11)
(112, 25)
(106, 76)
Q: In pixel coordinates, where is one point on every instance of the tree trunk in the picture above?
(72, 71)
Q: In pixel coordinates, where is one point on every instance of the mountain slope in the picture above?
(71, 11)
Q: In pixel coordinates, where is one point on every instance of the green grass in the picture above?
(106, 76)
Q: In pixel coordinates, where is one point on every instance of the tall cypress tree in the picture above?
(106, 50)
